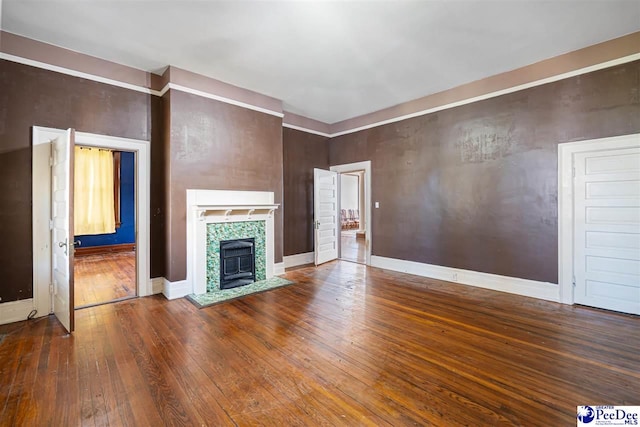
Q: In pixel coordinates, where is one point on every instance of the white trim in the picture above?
(529, 288)
(278, 268)
(164, 90)
(173, 290)
(15, 311)
(80, 74)
(298, 259)
(105, 80)
(41, 208)
(41, 213)
(535, 83)
(300, 128)
(157, 285)
(220, 98)
(368, 214)
(591, 68)
(566, 152)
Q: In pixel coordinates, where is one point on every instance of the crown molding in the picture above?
(215, 97)
(307, 130)
(585, 70)
(75, 73)
(593, 58)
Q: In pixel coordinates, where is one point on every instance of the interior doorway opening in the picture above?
(352, 214)
(354, 211)
(105, 262)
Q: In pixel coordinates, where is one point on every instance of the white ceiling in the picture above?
(326, 60)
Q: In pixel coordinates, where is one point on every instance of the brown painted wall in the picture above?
(475, 187)
(166, 164)
(157, 197)
(302, 152)
(217, 146)
(34, 97)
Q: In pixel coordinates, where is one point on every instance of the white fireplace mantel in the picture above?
(233, 212)
(217, 206)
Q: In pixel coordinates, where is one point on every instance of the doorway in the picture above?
(105, 262)
(42, 239)
(354, 211)
(352, 234)
(599, 223)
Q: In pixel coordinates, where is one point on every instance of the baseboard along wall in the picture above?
(104, 249)
(298, 259)
(15, 311)
(525, 287)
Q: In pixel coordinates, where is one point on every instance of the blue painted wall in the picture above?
(126, 232)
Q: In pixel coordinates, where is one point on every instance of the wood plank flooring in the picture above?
(104, 277)
(352, 248)
(346, 345)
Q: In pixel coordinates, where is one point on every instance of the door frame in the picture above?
(566, 152)
(352, 167)
(41, 211)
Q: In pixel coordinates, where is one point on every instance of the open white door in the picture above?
(62, 229)
(325, 213)
(607, 229)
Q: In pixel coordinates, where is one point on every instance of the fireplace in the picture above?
(215, 216)
(227, 232)
(237, 263)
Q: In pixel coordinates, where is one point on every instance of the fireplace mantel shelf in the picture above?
(228, 211)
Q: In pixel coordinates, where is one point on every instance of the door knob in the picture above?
(65, 246)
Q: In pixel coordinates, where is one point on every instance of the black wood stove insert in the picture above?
(237, 263)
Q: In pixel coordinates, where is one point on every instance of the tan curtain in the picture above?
(93, 192)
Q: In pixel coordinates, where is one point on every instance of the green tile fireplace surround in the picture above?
(219, 231)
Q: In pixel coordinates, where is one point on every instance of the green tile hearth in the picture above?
(220, 295)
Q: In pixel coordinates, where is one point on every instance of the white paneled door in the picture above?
(607, 229)
(325, 212)
(62, 228)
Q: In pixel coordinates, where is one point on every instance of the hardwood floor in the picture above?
(351, 248)
(105, 277)
(347, 345)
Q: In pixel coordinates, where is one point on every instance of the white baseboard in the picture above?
(278, 268)
(298, 259)
(173, 290)
(181, 288)
(157, 285)
(16, 311)
(530, 288)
